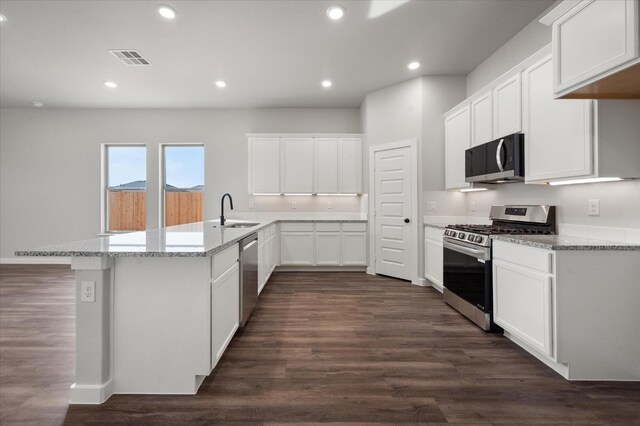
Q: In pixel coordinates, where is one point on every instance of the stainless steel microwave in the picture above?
(498, 161)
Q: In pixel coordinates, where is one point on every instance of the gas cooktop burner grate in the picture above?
(498, 229)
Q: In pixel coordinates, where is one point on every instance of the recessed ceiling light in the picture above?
(110, 84)
(166, 12)
(221, 84)
(37, 104)
(2, 18)
(335, 12)
(326, 83)
(413, 65)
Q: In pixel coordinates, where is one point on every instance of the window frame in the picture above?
(104, 183)
(162, 169)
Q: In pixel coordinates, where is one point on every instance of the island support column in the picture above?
(94, 330)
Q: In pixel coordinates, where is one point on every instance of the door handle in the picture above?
(407, 220)
(499, 155)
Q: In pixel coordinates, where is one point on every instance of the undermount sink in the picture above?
(235, 224)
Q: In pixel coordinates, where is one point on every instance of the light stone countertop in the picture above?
(563, 242)
(199, 239)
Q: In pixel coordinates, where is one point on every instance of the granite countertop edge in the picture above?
(563, 242)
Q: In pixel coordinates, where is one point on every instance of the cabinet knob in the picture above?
(407, 220)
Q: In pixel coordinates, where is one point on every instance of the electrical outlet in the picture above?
(431, 206)
(329, 205)
(88, 291)
(250, 203)
(472, 205)
(594, 208)
(294, 205)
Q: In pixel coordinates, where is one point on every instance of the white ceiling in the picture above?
(270, 53)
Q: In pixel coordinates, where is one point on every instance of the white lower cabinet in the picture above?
(225, 306)
(523, 305)
(354, 248)
(433, 257)
(327, 248)
(297, 248)
(267, 247)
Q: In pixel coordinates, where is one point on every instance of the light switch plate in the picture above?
(329, 205)
(294, 205)
(594, 208)
(250, 203)
(472, 205)
(431, 206)
(88, 291)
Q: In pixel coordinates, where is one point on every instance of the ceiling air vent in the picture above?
(130, 57)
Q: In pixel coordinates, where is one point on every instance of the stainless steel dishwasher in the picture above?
(248, 276)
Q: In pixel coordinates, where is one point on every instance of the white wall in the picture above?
(50, 163)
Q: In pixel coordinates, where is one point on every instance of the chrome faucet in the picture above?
(222, 219)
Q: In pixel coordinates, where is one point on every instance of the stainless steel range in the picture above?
(468, 279)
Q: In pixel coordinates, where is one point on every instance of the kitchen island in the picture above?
(156, 309)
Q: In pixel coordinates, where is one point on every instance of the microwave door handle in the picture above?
(499, 156)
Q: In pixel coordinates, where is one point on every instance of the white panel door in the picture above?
(393, 186)
(522, 304)
(298, 165)
(457, 137)
(354, 248)
(481, 120)
(328, 248)
(327, 159)
(264, 165)
(558, 132)
(225, 311)
(350, 165)
(296, 248)
(507, 107)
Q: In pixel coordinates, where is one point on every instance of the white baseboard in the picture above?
(91, 394)
(420, 282)
(294, 268)
(35, 260)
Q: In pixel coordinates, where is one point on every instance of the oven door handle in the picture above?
(477, 253)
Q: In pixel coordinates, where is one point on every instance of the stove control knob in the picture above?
(470, 238)
(478, 239)
(461, 235)
(452, 233)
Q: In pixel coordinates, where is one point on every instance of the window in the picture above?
(182, 184)
(125, 189)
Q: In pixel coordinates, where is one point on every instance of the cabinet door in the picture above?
(225, 311)
(262, 265)
(328, 248)
(482, 120)
(298, 165)
(296, 248)
(457, 135)
(327, 159)
(354, 248)
(558, 132)
(594, 38)
(507, 107)
(350, 166)
(264, 165)
(522, 304)
(434, 261)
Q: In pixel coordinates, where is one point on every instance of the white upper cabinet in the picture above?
(305, 164)
(264, 165)
(596, 52)
(457, 131)
(327, 155)
(481, 119)
(558, 136)
(350, 166)
(507, 107)
(298, 165)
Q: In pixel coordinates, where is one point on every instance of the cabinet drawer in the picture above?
(224, 260)
(538, 259)
(296, 227)
(354, 226)
(327, 227)
(433, 233)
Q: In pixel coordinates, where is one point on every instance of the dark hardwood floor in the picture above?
(320, 347)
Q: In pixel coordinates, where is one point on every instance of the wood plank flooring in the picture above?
(320, 347)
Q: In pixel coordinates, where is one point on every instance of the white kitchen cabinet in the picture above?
(225, 310)
(264, 165)
(267, 246)
(558, 132)
(297, 248)
(482, 119)
(596, 48)
(327, 165)
(327, 248)
(507, 107)
(457, 129)
(433, 252)
(298, 171)
(522, 304)
(354, 248)
(350, 166)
